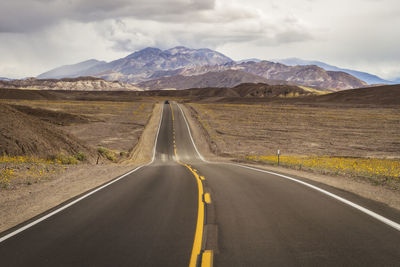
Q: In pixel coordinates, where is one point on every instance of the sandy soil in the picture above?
(301, 130)
(22, 134)
(24, 201)
(207, 148)
(111, 124)
(143, 151)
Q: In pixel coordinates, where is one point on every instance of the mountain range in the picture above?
(181, 68)
(364, 76)
(141, 65)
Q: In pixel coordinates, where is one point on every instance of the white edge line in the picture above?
(23, 228)
(158, 131)
(343, 200)
(190, 134)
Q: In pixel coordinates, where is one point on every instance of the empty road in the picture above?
(181, 210)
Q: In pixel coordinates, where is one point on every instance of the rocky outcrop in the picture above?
(75, 84)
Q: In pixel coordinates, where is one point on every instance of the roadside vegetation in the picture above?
(108, 154)
(17, 170)
(377, 170)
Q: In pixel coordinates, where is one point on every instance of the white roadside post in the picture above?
(279, 152)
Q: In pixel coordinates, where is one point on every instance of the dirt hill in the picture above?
(242, 91)
(380, 95)
(22, 134)
(54, 117)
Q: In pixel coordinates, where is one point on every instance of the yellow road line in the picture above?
(207, 198)
(172, 112)
(207, 258)
(202, 178)
(198, 237)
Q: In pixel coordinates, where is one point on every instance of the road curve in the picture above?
(151, 217)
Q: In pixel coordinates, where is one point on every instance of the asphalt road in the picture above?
(159, 216)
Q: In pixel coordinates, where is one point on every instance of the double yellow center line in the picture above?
(197, 256)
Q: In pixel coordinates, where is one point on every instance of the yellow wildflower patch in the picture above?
(16, 170)
(24, 159)
(366, 167)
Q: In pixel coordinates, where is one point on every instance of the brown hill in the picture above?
(242, 91)
(79, 84)
(228, 78)
(246, 90)
(264, 90)
(22, 134)
(54, 117)
(380, 95)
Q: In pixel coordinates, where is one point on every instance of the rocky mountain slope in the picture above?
(77, 84)
(313, 76)
(141, 65)
(227, 78)
(364, 76)
(153, 63)
(304, 75)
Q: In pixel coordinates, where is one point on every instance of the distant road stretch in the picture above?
(181, 210)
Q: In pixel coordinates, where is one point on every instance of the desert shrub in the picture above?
(80, 156)
(63, 159)
(110, 155)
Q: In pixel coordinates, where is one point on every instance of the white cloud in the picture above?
(36, 35)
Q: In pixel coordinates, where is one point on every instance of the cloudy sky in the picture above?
(37, 35)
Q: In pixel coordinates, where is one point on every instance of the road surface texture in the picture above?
(183, 211)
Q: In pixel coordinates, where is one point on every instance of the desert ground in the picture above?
(102, 140)
(262, 129)
(114, 125)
